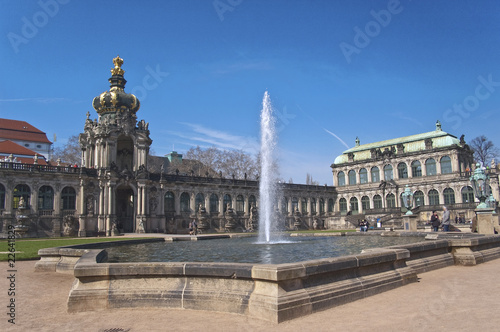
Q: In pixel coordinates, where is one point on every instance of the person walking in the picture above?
(446, 219)
(435, 221)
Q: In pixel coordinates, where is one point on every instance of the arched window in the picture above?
(353, 202)
(388, 172)
(252, 200)
(433, 197)
(284, 205)
(377, 202)
(227, 202)
(402, 171)
(449, 196)
(343, 205)
(240, 204)
(21, 190)
(375, 174)
(363, 176)
(446, 165)
(430, 167)
(418, 197)
(467, 194)
(2, 197)
(352, 177)
(68, 197)
(416, 169)
(365, 203)
(45, 198)
(295, 204)
(185, 202)
(199, 199)
(330, 205)
(321, 206)
(341, 179)
(390, 200)
(304, 205)
(313, 205)
(169, 202)
(214, 203)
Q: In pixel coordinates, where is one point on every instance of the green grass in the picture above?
(29, 247)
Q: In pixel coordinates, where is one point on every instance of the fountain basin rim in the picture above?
(273, 292)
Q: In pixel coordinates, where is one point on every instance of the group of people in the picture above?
(444, 223)
(363, 225)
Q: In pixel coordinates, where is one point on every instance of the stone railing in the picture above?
(45, 213)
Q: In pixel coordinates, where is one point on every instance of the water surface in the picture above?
(248, 250)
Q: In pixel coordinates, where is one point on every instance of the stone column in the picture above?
(246, 200)
(486, 221)
(221, 204)
(143, 201)
(290, 212)
(177, 202)
(111, 209)
(410, 223)
(81, 218)
(100, 222)
(139, 200)
(192, 203)
(34, 200)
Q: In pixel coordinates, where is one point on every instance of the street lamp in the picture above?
(480, 185)
(408, 199)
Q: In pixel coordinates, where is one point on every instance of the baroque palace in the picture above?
(436, 166)
(114, 190)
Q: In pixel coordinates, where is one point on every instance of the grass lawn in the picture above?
(28, 248)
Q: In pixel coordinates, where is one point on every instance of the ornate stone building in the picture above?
(113, 190)
(370, 178)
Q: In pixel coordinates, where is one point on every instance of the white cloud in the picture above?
(197, 134)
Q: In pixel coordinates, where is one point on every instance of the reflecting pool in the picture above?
(248, 250)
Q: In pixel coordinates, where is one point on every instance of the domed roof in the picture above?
(116, 100)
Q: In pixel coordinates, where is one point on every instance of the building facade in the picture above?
(26, 135)
(114, 190)
(436, 166)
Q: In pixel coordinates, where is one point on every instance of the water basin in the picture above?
(249, 250)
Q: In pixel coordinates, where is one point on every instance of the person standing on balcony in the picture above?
(446, 219)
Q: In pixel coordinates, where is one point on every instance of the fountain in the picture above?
(250, 280)
(268, 173)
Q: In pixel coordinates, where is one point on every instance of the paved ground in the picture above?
(451, 299)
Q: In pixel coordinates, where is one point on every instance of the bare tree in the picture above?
(310, 181)
(484, 150)
(229, 163)
(70, 152)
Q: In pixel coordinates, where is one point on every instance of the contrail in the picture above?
(341, 141)
(316, 122)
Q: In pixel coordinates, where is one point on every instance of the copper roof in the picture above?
(21, 130)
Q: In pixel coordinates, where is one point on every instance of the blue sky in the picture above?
(334, 70)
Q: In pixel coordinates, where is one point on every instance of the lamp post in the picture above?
(409, 219)
(408, 200)
(480, 185)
